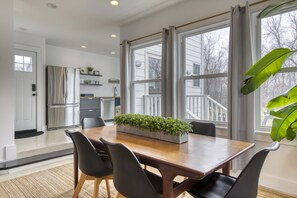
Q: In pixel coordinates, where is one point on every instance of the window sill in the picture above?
(264, 136)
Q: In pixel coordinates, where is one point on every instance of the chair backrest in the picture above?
(129, 178)
(203, 128)
(92, 123)
(89, 161)
(246, 185)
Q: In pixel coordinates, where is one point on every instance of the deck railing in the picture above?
(203, 107)
(152, 105)
(200, 107)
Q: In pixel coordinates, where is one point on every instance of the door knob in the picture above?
(33, 94)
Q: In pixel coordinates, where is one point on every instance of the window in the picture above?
(23, 63)
(275, 32)
(205, 60)
(196, 71)
(146, 80)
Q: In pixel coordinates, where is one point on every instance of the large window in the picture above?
(205, 60)
(146, 82)
(276, 31)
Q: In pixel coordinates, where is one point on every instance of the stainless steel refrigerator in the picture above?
(63, 97)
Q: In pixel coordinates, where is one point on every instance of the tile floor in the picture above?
(48, 142)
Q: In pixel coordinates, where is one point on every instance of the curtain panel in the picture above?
(169, 72)
(240, 107)
(125, 73)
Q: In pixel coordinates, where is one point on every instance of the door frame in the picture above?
(40, 108)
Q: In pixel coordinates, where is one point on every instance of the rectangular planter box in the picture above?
(154, 135)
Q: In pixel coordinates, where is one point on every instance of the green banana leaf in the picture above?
(291, 134)
(283, 100)
(275, 8)
(281, 126)
(269, 65)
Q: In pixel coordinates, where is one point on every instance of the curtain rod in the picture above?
(193, 22)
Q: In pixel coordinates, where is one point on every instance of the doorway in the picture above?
(26, 90)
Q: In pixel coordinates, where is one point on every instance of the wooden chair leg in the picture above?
(96, 187)
(79, 185)
(107, 188)
(119, 195)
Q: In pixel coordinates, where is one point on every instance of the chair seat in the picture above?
(215, 185)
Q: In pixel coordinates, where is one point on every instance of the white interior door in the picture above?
(25, 73)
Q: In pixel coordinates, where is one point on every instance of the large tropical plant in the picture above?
(283, 107)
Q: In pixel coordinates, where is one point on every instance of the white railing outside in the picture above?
(203, 107)
(152, 105)
(200, 107)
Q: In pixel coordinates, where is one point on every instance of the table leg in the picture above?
(226, 168)
(75, 166)
(168, 177)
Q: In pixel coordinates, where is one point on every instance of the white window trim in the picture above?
(133, 82)
(256, 24)
(182, 73)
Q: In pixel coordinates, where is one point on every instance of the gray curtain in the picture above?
(240, 117)
(169, 72)
(125, 73)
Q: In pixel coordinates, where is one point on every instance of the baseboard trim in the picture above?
(279, 184)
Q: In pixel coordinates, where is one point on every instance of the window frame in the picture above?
(133, 82)
(257, 25)
(182, 70)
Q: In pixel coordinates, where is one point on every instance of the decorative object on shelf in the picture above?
(82, 70)
(90, 69)
(114, 80)
(96, 72)
(167, 129)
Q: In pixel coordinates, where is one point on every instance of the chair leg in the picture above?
(107, 188)
(79, 185)
(96, 187)
(119, 195)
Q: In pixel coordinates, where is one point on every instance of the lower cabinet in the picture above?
(89, 108)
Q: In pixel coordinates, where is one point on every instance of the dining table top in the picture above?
(200, 156)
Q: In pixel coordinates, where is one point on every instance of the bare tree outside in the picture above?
(215, 59)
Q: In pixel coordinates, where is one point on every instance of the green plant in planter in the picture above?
(283, 107)
(168, 125)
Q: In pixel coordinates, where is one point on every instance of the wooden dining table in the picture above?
(195, 159)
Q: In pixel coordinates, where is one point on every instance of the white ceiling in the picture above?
(82, 22)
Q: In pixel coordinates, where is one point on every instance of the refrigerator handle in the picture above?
(65, 85)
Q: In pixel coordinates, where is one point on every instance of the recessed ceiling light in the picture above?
(113, 53)
(113, 35)
(83, 46)
(114, 2)
(51, 5)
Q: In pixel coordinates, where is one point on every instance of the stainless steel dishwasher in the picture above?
(107, 108)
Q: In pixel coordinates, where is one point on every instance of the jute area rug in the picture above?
(58, 182)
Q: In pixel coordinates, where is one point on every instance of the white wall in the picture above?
(108, 66)
(279, 171)
(7, 84)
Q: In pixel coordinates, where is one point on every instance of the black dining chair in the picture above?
(129, 178)
(92, 123)
(203, 128)
(217, 185)
(91, 165)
